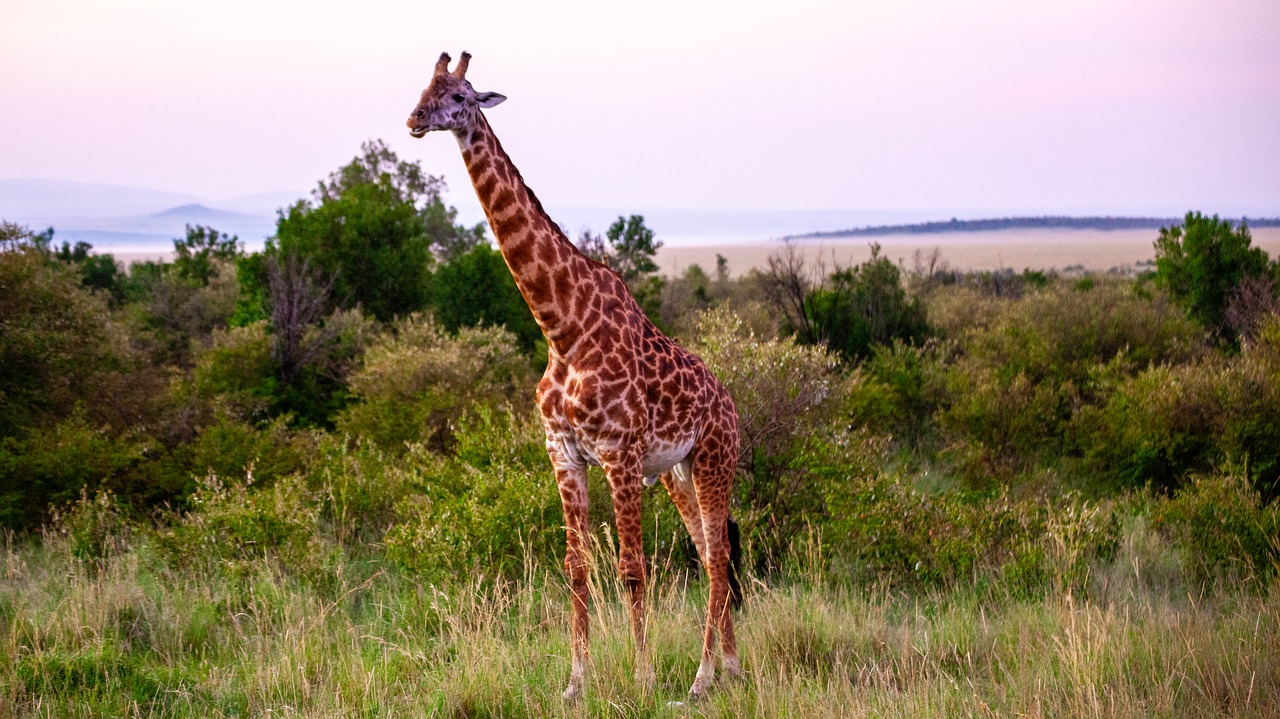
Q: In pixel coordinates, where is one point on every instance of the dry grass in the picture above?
(138, 639)
(1094, 250)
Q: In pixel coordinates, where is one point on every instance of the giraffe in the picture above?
(617, 393)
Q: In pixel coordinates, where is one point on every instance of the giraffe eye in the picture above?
(459, 98)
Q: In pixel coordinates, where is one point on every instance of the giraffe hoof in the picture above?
(646, 679)
(572, 692)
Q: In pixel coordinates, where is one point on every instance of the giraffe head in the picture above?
(449, 102)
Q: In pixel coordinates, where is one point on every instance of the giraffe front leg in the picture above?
(572, 482)
(625, 479)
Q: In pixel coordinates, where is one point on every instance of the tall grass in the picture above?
(132, 635)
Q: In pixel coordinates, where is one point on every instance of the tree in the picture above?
(476, 288)
(787, 284)
(1201, 262)
(633, 247)
(628, 247)
(73, 396)
(865, 306)
(57, 338)
(375, 226)
(97, 272)
(299, 299)
(850, 310)
(196, 255)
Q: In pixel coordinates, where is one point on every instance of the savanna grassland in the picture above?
(309, 481)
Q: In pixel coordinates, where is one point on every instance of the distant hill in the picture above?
(130, 219)
(157, 230)
(1018, 223)
(196, 211)
(29, 200)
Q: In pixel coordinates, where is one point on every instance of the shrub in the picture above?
(50, 467)
(1220, 525)
(849, 310)
(484, 508)
(179, 311)
(996, 428)
(234, 374)
(1061, 334)
(230, 447)
(794, 433)
(359, 485)
(58, 342)
(900, 389)
(475, 288)
(1026, 369)
(781, 389)
(97, 527)
(1169, 420)
(886, 530)
(864, 306)
(233, 526)
(416, 382)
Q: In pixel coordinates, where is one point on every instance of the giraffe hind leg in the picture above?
(679, 485)
(712, 478)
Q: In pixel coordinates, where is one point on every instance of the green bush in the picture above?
(234, 374)
(43, 468)
(899, 389)
(97, 527)
(997, 428)
(791, 401)
(59, 344)
(417, 381)
(484, 509)
(367, 230)
(865, 306)
(883, 529)
(359, 485)
(474, 289)
(1221, 527)
(1172, 420)
(1025, 369)
(886, 530)
(230, 447)
(233, 526)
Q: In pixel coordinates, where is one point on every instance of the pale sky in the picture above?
(1116, 106)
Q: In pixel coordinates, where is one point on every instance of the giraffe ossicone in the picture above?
(616, 393)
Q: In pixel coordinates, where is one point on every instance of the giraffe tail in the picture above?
(735, 565)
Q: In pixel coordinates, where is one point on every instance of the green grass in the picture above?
(136, 637)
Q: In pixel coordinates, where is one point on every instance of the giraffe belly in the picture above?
(664, 455)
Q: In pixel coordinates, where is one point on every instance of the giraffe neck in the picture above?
(552, 274)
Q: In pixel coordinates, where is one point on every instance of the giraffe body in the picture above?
(617, 393)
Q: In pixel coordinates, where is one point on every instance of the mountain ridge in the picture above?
(1042, 222)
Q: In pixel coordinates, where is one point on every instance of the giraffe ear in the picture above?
(489, 99)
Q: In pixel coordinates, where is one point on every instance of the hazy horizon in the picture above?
(968, 108)
(135, 220)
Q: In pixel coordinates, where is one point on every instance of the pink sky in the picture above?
(1084, 106)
